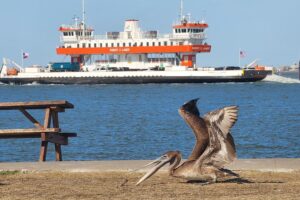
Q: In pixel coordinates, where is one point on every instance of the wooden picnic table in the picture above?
(42, 130)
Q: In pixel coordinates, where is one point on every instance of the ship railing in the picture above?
(159, 36)
(200, 36)
(76, 38)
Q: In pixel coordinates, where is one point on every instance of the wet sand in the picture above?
(121, 185)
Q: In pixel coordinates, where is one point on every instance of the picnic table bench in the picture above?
(43, 131)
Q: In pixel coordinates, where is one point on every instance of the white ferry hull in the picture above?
(136, 77)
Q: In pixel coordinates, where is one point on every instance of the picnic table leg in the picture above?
(44, 143)
(58, 154)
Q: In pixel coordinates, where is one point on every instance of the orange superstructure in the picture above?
(134, 50)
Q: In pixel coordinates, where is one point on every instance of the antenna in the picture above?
(83, 11)
(83, 17)
(181, 10)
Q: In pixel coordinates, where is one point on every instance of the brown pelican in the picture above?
(213, 149)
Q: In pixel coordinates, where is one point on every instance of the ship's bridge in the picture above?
(76, 32)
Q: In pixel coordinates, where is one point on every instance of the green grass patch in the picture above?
(9, 172)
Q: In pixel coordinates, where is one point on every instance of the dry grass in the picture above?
(121, 185)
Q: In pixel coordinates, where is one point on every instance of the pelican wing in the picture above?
(221, 147)
(223, 119)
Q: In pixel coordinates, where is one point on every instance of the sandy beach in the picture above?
(121, 185)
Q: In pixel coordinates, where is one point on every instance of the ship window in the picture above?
(95, 45)
(165, 43)
(83, 45)
(124, 45)
(65, 33)
(153, 43)
(176, 30)
(129, 44)
(147, 44)
(184, 30)
(112, 44)
(90, 45)
(106, 44)
(172, 44)
(189, 30)
(77, 45)
(118, 44)
(179, 30)
(180, 43)
(141, 44)
(100, 44)
(159, 43)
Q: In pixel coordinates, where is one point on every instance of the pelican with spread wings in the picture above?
(214, 146)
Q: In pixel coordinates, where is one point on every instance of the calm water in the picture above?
(141, 121)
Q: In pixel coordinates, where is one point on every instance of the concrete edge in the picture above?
(265, 165)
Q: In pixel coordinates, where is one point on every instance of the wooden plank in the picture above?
(57, 139)
(58, 153)
(69, 134)
(29, 135)
(35, 105)
(35, 135)
(44, 143)
(31, 118)
(57, 109)
(28, 131)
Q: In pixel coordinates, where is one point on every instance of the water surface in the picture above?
(120, 122)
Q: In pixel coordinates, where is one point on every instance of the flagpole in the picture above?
(240, 57)
(22, 58)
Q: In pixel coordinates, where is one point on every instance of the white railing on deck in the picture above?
(162, 36)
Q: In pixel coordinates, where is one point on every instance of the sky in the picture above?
(268, 30)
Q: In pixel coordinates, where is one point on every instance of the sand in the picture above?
(121, 185)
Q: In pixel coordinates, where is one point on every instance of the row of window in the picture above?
(188, 30)
(78, 33)
(135, 44)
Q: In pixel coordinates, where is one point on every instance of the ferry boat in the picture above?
(131, 56)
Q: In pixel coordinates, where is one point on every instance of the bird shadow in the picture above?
(2, 184)
(237, 180)
(234, 180)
